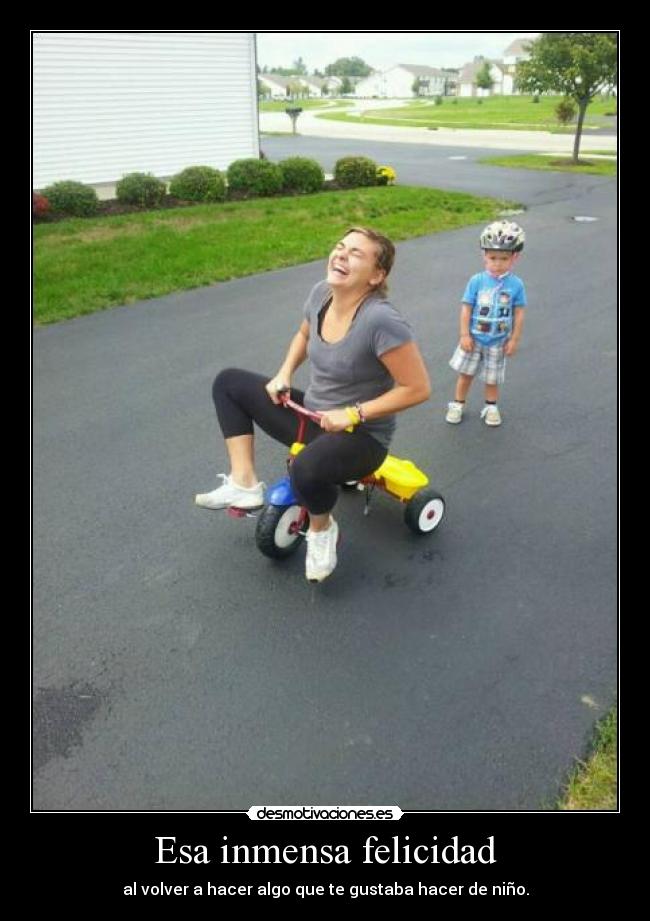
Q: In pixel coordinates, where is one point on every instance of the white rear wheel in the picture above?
(425, 511)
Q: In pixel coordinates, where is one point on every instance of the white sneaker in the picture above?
(491, 414)
(230, 493)
(454, 412)
(321, 553)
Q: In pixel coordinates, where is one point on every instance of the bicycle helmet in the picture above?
(503, 235)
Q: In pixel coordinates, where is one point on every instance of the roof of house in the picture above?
(469, 71)
(421, 70)
(518, 47)
(320, 82)
(276, 78)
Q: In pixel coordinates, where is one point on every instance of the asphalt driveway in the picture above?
(177, 669)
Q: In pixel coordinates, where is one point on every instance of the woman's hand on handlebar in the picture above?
(335, 420)
(278, 384)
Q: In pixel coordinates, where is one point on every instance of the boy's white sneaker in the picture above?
(491, 414)
(321, 553)
(229, 493)
(454, 412)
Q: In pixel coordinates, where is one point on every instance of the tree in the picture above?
(348, 67)
(296, 90)
(299, 67)
(484, 79)
(415, 87)
(346, 87)
(285, 71)
(577, 64)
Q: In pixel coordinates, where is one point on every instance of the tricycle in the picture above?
(283, 521)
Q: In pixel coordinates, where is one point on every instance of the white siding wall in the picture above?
(106, 104)
(399, 83)
(374, 85)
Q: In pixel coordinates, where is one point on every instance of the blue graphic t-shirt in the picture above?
(493, 301)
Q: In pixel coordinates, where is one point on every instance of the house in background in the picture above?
(333, 85)
(297, 86)
(110, 103)
(466, 81)
(287, 87)
(397, 82)
(325, 86)
(515, 52)
(503, 72)
(374, 85)
(274, 85)
(315, 85)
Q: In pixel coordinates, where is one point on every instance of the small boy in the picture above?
(491, 320)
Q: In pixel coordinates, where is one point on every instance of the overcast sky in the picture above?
(381, 49)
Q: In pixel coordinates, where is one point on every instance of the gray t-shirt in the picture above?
(349, 371)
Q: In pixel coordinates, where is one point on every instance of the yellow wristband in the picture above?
(353, 415)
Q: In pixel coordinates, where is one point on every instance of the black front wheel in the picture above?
(425, 511)
(277, 534)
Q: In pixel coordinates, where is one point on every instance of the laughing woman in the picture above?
(364, 368)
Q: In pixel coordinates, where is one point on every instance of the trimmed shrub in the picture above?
(40, 205)
(140, 189)
(350, 172)
(565, 111)
(70, 197)
(300, 174)
(437, 100)
(536, 99)
(198, 183)
(254, 177)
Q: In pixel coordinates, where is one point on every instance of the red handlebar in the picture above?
(302, 411)
(297, 408)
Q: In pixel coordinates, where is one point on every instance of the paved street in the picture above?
(309, 125)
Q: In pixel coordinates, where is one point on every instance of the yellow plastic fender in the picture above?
(402, 477)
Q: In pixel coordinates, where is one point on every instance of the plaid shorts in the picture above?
(490, 358)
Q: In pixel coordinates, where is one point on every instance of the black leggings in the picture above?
(330, 458)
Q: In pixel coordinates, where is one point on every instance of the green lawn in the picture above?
(506, 112)
(556, 163)
(280, 105)
(84, 265)
(594, 784)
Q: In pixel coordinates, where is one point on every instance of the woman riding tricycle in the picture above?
(364, 368)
